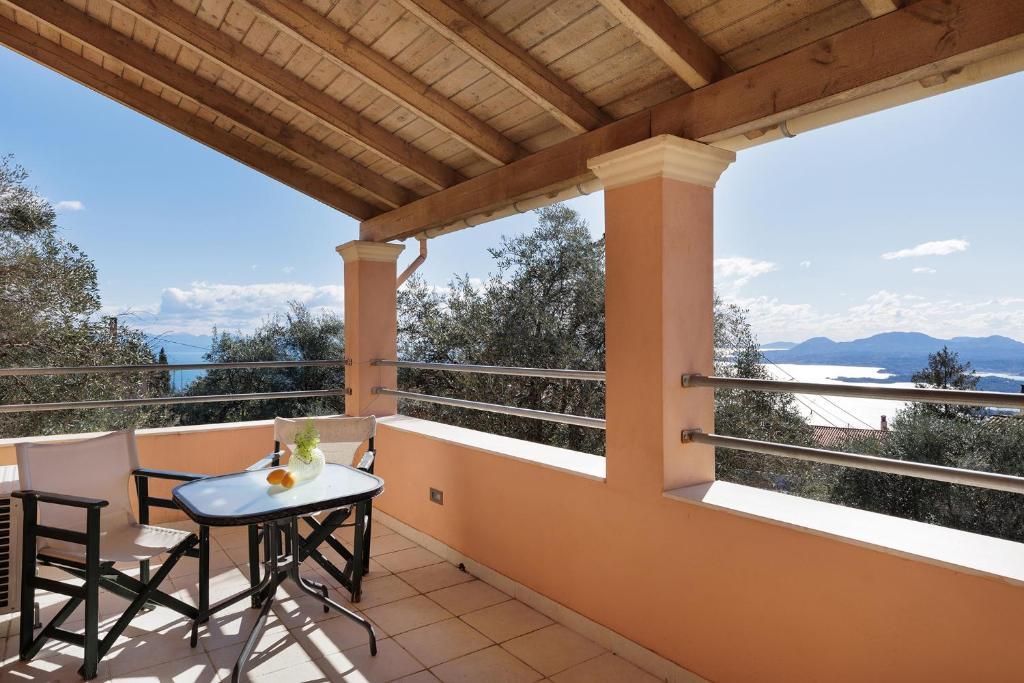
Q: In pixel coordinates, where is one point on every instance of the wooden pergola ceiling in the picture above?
(412, 114)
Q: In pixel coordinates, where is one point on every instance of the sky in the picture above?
(905, 220)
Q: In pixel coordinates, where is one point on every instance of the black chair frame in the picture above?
(142, 592)
(357, 561)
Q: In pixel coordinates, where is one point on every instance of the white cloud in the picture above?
(805, 264)
(885, 311)
(939, 248)
(202, 305)
(68, 205)
(924, 271)
(736, 271)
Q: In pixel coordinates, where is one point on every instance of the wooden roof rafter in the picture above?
(170, 74)
(94, 76)
(853, 63)
(877, 8)
(313, 29)
(256, 68)
(483, 42)
(657, 26)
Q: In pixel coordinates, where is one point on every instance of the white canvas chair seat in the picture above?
(127, 543)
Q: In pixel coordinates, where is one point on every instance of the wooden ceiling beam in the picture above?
(877, 8)
(657, 26)
(95, 77)
(308, 26)
(175, 20)
(899, 48)
(89, 31)
(486, 44)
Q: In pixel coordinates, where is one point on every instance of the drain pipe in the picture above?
(416, 263)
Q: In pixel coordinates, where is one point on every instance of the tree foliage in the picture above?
(297, 335)
(951, 436)
(544, 307)
(50, 313)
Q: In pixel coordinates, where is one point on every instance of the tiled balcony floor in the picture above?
(433, 622)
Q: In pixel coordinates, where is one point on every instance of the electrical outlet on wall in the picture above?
(437, 496)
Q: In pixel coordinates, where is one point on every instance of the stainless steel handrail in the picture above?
(577, 420)
(164, 400)
(952, 475)
(587, 375)
(160, 367)
(992, 399)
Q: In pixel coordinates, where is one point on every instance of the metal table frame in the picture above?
(279, 564)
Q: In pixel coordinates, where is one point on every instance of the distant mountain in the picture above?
(777, 346)
(906, 352)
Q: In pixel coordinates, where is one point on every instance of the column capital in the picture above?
(358, 250)
(663, 156)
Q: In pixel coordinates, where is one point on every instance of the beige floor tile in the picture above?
(389, 544)
(194, 669)
(384, 590)
(56, 669)
(418, 677)
(492, 665)
(357, 666)
(604, 669)
(277, 649)
(407, 614)
(553, 649)
(410, 558)
(303, 672)
(442, 641)
(150, 650)
(232, 626)
(325, 638)
(300, 612)
(467, 597)
(435, 576)
(506, 620)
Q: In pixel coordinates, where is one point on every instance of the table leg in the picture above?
(293, 573)
(257, 629)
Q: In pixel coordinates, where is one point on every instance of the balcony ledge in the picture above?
(562, 459)
(958, 550)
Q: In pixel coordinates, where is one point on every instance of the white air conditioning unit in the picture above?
(10, 541)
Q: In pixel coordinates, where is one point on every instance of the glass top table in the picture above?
(246, 499)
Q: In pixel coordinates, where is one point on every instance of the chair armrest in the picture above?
(167, 474)
(269, 460)
(60, 499)
(366, 462)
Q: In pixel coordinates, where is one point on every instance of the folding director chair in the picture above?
(340, 440)
(86, 533)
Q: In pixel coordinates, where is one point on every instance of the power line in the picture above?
(824, 398)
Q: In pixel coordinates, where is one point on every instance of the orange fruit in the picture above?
(288, 480)
(275, 476)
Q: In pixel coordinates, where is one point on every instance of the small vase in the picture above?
(303, 470)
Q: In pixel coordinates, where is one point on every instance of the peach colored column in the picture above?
(371, 323)
(658, 307)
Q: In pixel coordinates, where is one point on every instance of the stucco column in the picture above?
(658, 306)
(371, 324)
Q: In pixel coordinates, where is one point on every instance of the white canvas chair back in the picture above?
(95, 468)
(340, 437)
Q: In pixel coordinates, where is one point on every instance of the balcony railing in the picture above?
(988, 480)
(953, 475)
(165, 400)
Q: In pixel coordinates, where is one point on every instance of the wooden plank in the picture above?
(657, 26)
(97, 78)
(320, 33)
(489, 46)
(169, 73)
(899, 48)
(254, 67)
(877, 8)
(555, 167)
